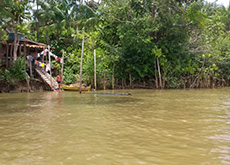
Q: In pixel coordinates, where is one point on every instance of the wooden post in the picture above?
(95, 71)
(32, 64)
(24, 53)
(24, 50)
(30, 68)
(11, 54)
(46, 59)
(43, 54)
(62, 66)
(50, 66)
(7, 55)
(113, 76)
(82, 51)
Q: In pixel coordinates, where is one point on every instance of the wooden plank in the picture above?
(7, 55)
(47, 78)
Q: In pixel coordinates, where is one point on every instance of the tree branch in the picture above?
(185, 8)
(123, 21)
(201, 70)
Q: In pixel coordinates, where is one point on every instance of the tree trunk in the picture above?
(75, 36)
(15, 46)
(117, 82)
(16, 41)
(156, 78)
(159, 72)
(163, 84)
(209, 82)
(37, 29)
(223, 82)
(130, 80)
(20, 50)
(47, 36)
(185, 8)
(28, 83)
(189, 81)
(201, 83)
(37, 24)
(213, 83)
(201, 70)
(11, 54)
(185, 83)
(24, 51)
(7, 55)
(95, 70)
(104, 83)
(113, 76)
(57, 34)
(82, 51)
(122, 83)
(153, 11)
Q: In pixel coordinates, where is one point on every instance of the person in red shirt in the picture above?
(59, 80)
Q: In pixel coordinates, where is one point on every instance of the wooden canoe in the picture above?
(75, 88)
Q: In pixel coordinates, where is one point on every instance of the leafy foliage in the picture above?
(18, 69)
(190, 39)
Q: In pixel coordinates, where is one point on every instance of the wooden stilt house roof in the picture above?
(28, 43)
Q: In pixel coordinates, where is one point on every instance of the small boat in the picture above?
(76, 88)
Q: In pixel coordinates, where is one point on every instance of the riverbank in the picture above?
(36, 85)
(22, 86)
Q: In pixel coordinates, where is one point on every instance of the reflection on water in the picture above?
(150, 127)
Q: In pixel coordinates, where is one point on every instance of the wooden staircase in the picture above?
(47, 78)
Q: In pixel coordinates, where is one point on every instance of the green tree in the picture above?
(13, 12)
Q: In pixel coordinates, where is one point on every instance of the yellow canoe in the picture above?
(76, 88)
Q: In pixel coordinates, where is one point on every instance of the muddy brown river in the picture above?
(150, 127)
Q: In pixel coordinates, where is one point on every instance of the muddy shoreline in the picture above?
(35, 85)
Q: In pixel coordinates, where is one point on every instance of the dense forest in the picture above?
(138, 43)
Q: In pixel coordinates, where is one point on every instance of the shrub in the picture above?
(18, 69)
(69, 77)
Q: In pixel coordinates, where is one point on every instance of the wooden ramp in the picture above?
(47, 78)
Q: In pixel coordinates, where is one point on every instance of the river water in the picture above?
(169, 127)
